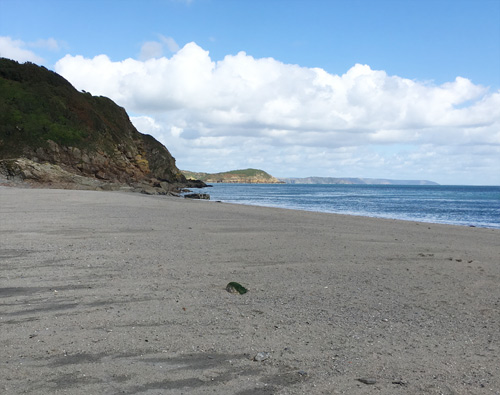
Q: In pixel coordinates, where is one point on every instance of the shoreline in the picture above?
(358, 215)
(23, 185)
(112, 292)
(374, 205)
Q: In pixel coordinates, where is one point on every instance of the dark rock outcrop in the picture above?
(204, 196)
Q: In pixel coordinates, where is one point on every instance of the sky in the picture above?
(398, 89)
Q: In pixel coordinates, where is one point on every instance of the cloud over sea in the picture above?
(297, 113)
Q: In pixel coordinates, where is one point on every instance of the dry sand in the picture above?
(115, 293)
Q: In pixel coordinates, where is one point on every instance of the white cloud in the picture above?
(154, 49)
(146, 124)
(151, 49)
(170, 43)
(23, 51)
(245, 110)
(51, 44)
(16, 50)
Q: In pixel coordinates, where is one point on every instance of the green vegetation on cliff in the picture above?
(245, 176)
(44, 118)
(35, 106)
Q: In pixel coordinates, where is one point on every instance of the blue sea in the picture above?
(456, 205)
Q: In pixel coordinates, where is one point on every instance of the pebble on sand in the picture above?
(261, 356)
(367, 381)
(234, 287)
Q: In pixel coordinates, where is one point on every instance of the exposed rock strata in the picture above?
(26, 172)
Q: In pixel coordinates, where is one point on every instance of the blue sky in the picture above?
(359, 88)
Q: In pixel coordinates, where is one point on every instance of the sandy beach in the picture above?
(121, 293)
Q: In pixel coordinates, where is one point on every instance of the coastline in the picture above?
(373, 216)
(109, 292)
(453, 205)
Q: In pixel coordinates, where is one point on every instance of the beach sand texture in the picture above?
(120, 293)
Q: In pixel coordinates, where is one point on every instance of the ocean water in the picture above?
(456, 205)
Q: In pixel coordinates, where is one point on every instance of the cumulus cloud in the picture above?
(265, 105)
(16, 50)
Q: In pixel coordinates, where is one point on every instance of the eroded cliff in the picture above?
(45, 120)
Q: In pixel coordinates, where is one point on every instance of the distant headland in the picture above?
(244, 176)
(257, 176)
(355, 181)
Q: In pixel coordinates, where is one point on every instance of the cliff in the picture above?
(246, 176)
(50, 133)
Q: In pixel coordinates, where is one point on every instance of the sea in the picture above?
(477, 206)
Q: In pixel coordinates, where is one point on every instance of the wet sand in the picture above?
(116, 293)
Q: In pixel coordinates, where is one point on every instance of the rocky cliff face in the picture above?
(44, 119)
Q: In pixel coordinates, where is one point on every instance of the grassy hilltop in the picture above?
(245, 176)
